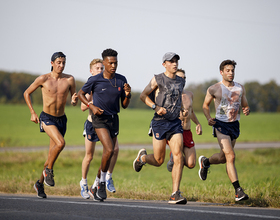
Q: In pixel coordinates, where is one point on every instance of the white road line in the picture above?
(153, 207)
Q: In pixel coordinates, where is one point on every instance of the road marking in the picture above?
(152, 207)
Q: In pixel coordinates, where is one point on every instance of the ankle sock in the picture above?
(236, 184)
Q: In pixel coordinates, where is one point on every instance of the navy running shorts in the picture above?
(227, 128)
(90, 132)
(164, 129)
(59, 122)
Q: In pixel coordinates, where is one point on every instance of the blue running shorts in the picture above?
(164, 129)
(227, 128)
(59, 122)
(90, 132)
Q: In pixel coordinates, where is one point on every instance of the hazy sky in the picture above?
(202, 32)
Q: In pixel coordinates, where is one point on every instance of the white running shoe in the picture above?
(110, 185)
(84, 190)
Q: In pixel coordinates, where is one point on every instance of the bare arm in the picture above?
(125, 101)
(83, 106)
(206, 107)
(27, 93)
(74, 97)
(95, 110)
(198, 127)
(244, 103)
(144, 96)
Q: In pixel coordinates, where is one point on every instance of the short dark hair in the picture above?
(109, 53)
(227, 62)
(57, 55)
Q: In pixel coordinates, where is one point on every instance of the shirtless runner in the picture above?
(55, 87)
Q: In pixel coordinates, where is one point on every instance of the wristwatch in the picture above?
(154, 106)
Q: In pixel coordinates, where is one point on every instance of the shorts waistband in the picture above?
(51, 116)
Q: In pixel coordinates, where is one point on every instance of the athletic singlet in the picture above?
(169, 96)
(229, 107)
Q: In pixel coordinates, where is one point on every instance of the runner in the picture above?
(228, 96)
(91, 138)
(107, 89)
(55, 87)
(166, 125)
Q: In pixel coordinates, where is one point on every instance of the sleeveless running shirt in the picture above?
(169, 96)
(229, 107)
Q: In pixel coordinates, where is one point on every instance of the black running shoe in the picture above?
(48, 177)
(240, 195)
(138, 163)
(39, 187)
(177, 198)
(203, 170)
(101, 190)
(92, 192)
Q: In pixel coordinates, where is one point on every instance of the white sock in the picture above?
(96, 181)
(102, 176)
(84, 181)
(108, 175)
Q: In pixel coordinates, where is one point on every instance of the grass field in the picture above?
(258, 170)
(17, 130)
(258, 174)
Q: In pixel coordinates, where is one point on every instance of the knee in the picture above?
(230, 157)
(159, 161)
(191, 165)
(60, 145)
(88, 158)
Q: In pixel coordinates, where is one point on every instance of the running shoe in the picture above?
(101, 190)
(203, 170)
(170, 163)
(84, 190)
(138, 163)
(240, 195)
(92, 193)
(48, 177)
(177, 198)
(110, 185)
(39, 187)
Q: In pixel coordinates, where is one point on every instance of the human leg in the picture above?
(108, 149)
(109, 181)
(190, 157)
(89, 151)
(176, 145)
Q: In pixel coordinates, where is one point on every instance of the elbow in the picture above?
(142, 97)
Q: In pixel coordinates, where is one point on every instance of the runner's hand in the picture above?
(34, 118)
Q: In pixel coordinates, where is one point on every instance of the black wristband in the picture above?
(128, 96)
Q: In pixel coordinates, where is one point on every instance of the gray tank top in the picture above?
(169, 96)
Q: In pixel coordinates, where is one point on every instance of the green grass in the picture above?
(17, 130)
(258, 173)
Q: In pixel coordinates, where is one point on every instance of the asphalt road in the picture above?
(68, 208)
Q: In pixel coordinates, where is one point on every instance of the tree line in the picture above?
(261, 97)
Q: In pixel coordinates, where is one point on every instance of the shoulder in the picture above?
(212, 89)
(189, 93)
(43, 78)
(238, 84)
(119, 76)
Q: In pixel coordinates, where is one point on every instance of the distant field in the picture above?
(16, 129)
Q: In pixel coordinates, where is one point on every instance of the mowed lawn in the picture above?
(17, 130)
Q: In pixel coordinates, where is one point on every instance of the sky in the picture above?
(202, 32)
